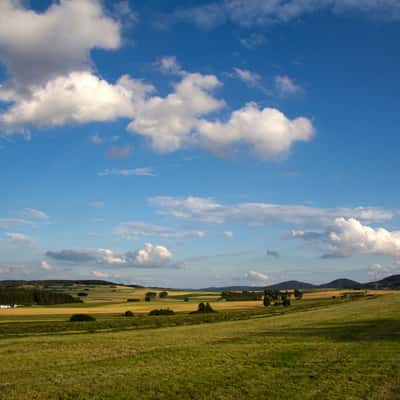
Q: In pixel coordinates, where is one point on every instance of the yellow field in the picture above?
(113, 299)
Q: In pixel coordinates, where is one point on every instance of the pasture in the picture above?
(318, 348)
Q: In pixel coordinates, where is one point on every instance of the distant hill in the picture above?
(276, 286)
(390, 282)
(341, 284)
(291, 285)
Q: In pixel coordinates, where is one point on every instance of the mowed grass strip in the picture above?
(350, 350)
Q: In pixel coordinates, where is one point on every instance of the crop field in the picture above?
(318, 348)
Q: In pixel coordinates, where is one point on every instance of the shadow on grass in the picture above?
(363, 330)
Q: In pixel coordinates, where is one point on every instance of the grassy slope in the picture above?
(349, 350)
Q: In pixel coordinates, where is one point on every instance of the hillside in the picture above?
(341, 284)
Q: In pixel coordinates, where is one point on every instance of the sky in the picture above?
(199, 143)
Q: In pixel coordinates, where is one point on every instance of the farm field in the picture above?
(315, 349)
(103, 299)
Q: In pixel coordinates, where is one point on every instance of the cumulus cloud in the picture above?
(208, 210)
(119, 152)
(132, 230)
(152, 256)
(286, 86)
(248, 13)
(348, 235)
(148, 256)
(36, 47)
(70, 99)
(167, 122)
(228, 234)
(128, 172)
(35, 214)
(267, 131)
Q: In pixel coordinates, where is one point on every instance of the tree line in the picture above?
(28, 296)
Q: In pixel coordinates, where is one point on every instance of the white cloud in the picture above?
(249, 13)
(148, 256)
(35, 214)
(70, 99)
(286, 86)
(168, 122)
(152, 256)
(267, 131)
(228, 234)
(36, 47)
(128, 172)
(99, 274)
(257, 276)
(250, 78)
(18, 239)
(170, 65)
(45, 265)
(348, 235)
(210, 211)
(132, 230)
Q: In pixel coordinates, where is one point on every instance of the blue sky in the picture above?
(191, 144)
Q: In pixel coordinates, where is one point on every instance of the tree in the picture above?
(298, 294)
(286, 302)
(163, 295)
(129, 313)
(150, 296)
(267, 301)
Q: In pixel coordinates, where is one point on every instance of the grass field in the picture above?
(315, 349)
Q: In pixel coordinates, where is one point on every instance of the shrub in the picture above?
(82, 294)
(81, 317)
(163, 295)
(132, 300)
(186, 299)
(298, 294)
(286, 303)
(267, 301)
(150, 296)
(129, 314)
(204, 308)
(166, 311)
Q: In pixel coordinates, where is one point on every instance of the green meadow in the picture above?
(315, 349)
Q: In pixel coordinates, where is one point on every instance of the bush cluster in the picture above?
(203, 308)
(81, 318)
(129, 314)
(165, 311)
